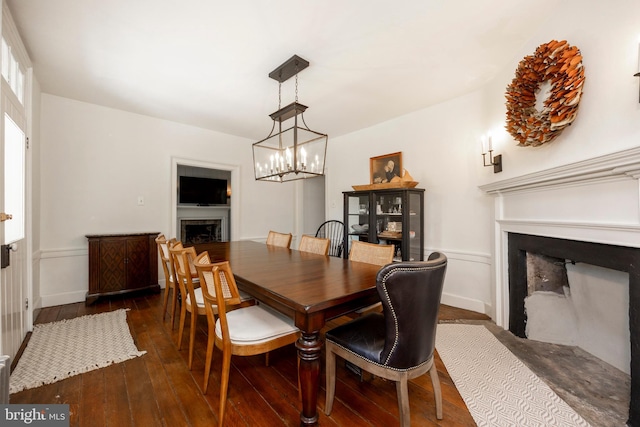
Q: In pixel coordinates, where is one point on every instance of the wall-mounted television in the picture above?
(202, 191)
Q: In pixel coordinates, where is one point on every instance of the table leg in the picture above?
(309, 346)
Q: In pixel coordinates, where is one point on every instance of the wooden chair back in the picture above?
(219, 289)
(371, 253)
(191, 256)
(314, 245)
(165, 257)
(182, 260)
(169, 274)
(334, 231)
(279, 239)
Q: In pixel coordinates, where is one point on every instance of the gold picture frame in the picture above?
(385, 168)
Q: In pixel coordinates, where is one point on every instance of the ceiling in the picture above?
(206, 63)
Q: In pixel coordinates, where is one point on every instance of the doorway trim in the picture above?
(235, 191)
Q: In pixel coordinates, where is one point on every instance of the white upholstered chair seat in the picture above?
(199, 298)
(251, 325)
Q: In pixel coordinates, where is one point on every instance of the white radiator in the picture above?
(5, 372)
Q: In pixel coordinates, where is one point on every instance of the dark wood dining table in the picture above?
(309, 288)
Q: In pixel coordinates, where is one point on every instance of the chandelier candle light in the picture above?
(293, 153)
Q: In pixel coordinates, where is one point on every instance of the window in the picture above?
(12, 71)
(14, 149)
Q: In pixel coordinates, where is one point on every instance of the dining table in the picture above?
(309, 288)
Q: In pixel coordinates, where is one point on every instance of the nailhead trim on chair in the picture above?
(393, 312)
(384, 366)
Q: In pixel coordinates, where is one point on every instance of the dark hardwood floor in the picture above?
(158, 389)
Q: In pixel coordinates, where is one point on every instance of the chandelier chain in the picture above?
(279, 95)
(296, 82)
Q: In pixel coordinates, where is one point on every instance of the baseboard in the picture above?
(466, 303)
(62, 299)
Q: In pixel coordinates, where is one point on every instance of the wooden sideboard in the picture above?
(120, 263)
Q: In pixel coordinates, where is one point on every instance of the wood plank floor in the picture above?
(158, 389)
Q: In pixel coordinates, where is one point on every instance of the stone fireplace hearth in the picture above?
(588, 212)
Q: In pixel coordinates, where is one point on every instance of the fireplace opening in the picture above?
(579, 305)
(195, 231)
(618, 258)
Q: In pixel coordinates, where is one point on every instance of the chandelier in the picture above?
(295, 152)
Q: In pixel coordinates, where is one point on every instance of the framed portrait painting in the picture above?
(385, 168)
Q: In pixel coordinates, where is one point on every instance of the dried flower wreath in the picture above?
(561, 65)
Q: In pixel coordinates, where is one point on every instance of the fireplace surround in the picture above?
(588, 211)
(195, 231)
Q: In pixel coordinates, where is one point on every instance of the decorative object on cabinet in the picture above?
(385, 168)
(391, 216)
(555, 62)
(406, 181)
(495, 161)
(296, 152)
(121, 263)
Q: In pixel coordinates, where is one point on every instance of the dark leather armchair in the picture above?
(397, 344)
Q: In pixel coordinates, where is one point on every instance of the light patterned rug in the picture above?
(497, 387)
(62, 349)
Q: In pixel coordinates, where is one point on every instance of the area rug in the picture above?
(62, 349)
(496, 386)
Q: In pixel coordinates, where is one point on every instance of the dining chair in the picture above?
(169, 275)
(371, 253)
(191, 255)
(314, 245)
(279, 239)
(389, 344)
(190, 291)
(244, 331)
(334, 231)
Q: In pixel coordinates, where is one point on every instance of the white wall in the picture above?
(96, 161)
(441, 144)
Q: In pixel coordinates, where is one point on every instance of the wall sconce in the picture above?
(638, 73)
(495, 161)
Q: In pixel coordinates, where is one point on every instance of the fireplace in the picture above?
(587, 212)
(619, 258)
(195, 231)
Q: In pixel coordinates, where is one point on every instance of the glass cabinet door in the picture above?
(414, 219)
(398, 221)
(388, 220)
(356, 218)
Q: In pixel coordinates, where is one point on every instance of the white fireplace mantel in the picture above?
(595, 200)
(619, 165)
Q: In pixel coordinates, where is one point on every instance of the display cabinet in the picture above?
(389, 216)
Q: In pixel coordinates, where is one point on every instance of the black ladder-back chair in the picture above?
(389, 344)
(334, 231)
